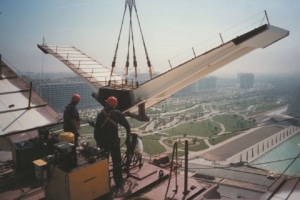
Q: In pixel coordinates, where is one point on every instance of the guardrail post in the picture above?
(29, 98)
(267, 17)
(0, 67)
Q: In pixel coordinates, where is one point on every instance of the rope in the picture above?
(116, 51)
(131, 4)
(127, 61)
(133, 46)
(146, 52)
(130, 159)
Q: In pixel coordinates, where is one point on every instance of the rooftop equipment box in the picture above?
(87, 182)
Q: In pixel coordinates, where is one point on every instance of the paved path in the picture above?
(239, 144)
(168, 148)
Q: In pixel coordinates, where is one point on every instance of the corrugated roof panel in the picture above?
(23, 120)
(13, 101)
(6, 86)
(286, 189)
(16, 113)
(296, 192)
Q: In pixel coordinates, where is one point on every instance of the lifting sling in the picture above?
(131, 4)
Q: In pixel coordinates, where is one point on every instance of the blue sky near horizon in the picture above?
(170, 28)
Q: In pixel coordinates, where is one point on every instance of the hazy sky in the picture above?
(170, 28)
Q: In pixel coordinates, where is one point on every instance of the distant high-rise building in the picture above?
(246, 80)
(294, 106)
(58, 95)
(187, 90)
(207, 83)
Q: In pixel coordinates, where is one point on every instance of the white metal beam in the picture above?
(168, 83)
(165, 85)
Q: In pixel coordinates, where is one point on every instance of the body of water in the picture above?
(281, 157)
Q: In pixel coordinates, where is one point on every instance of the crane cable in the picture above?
(133, 49)
(146, 52)
(130, 4)
(127, 61)
(116, 50)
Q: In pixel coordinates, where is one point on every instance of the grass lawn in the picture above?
(86, 130)
(179, 154)
(151, 145)
(198, 146)
(222, 138)
(234, 122)
(204, 128)
(194, 145)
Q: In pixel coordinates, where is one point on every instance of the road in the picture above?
(236, 174)
(238, 193)
(238, 144)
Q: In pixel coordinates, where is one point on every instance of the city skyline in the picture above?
(170, 29)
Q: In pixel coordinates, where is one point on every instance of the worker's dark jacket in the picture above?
(71, 115)
(106, 128)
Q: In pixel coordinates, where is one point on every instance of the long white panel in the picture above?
(168, 83)
(90, 70)
(165, 85)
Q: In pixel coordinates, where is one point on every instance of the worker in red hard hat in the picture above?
(76, 98)
(106, 135)
(71, 117)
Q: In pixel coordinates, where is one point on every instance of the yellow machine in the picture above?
(67, 137)
(84, 182)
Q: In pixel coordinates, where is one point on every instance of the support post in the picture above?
(221, 38)
(185, 192)
(170, 64)
(267, 17)
(29, 98)
(0, 67)
(194, 52)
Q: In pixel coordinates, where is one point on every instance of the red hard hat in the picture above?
(112, 101)
(76, 98)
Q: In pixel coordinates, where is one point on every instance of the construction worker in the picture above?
(106, 135)
(71, 118)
